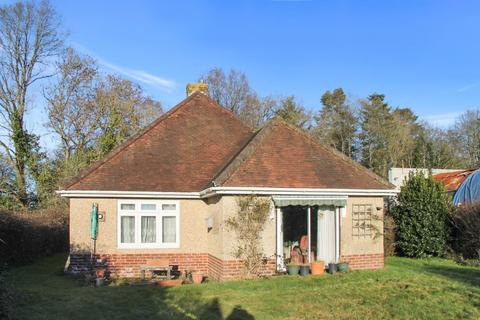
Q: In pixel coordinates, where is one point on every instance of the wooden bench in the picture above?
(157, 265)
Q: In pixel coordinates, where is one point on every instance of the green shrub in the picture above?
(389, 234)
(26, 236)
(421, 214)
(466, 231)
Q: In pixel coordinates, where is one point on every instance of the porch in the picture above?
(308, 229)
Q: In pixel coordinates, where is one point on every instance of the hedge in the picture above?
(466, 231)
(27, 236)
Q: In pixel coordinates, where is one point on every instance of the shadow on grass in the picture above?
(45, 292)
(469, 276)
(66, 298)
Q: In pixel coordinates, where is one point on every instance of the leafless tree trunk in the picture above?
(29, 38)
(71, 109)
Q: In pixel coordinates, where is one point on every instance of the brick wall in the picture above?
(215, 267)
(233, 269)
(364, 261)
(128, 265)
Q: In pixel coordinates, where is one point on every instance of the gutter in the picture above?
(213, 191)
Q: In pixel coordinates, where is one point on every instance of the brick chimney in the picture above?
(194, 87)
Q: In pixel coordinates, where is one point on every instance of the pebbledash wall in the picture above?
(202, 249)
(362, 253)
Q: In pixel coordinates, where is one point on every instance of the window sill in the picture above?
(149, 246)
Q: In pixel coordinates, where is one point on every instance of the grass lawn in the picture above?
(405, 289)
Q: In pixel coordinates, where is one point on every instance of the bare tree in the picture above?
(258, 110)
(72, 114)
(29, 38)
(124, 109)
(231, 90)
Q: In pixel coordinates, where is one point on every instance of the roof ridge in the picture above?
(98, 163)
(241, 156)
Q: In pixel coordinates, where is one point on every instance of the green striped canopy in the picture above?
(310, 201)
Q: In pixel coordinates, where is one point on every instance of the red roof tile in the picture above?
(283, 156)
(179, 152)
(198, 143)
(452, 180)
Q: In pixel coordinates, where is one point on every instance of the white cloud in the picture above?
(141, 76)
(138, 75)
(468, 87)
(444, 120)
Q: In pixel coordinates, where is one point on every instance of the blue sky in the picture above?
(420, 54)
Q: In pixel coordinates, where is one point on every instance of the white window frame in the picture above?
(159, 213)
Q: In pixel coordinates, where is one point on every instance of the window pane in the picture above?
(148, 230)
(127, 232)
(168, 207)
(148, 206)
(169, 232)
(127, 206)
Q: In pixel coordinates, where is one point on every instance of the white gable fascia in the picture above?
(210, 192)
(295, 191)
(127, 194)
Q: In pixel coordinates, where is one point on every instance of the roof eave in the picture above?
(213, 191)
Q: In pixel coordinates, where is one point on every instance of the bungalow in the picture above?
(166, 193)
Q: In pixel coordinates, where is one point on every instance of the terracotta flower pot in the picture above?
(317, 268)
(169, 283)
(100, 273)
(197, 277)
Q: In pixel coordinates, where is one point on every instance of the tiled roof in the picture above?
(282, 156)
(199, 144)
(179, 152)
(452, 180)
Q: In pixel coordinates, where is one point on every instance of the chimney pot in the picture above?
(199, 86)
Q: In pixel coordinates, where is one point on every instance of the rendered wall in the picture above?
(362, 253)
(193, 231)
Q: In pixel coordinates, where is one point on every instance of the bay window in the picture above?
(148, 224)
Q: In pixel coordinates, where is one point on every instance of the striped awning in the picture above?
(311, 201)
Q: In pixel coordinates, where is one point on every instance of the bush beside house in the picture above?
(421, 215)
(26, 236)
(465, 232)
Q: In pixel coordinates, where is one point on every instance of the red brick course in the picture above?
(233, 269)
(364, 261)
(128, 265)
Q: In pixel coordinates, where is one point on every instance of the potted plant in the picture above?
(293, 269)
(332, 268)
(100, 272)
(197, 277)
(343, 266)
(304, 270)
(317, 267)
